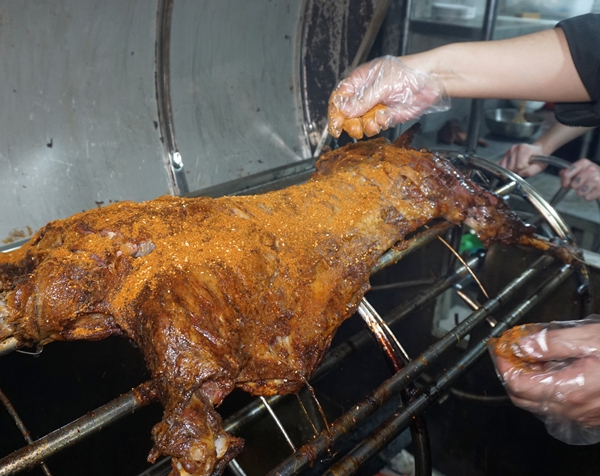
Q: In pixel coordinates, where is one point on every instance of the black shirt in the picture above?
(583, 36)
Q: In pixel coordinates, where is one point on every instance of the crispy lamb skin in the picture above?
(236, 291)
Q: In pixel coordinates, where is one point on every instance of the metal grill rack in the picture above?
(545, 274)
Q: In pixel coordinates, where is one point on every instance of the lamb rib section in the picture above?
(236, 291)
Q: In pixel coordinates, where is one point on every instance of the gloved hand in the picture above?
(583, 177)
(380, 94)
(517, 160)
(553, 370)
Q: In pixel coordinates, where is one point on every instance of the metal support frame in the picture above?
(399, 358)
(163, 93)
(69, 434)
(487, 31)
(21, 426)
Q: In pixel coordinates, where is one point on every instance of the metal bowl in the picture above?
(500, 121)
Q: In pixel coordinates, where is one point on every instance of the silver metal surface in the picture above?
(235, 88)
(369, 38)
(235, 467)
(406, 27)
(506, 189)
(78, 109)
(111, 100)
(551, 160)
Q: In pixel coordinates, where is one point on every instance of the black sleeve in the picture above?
(583, 37)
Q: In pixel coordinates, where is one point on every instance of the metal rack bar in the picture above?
(378, 327)
(20, 425)
(434, 291)
(398, 357)
(69, 434)
(249, 414)
(163, 95)
(426, 236)
(307, 454)
(543, 208)
(550, 215)
(236, 468)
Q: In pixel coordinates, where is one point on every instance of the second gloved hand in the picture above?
(380, 94)
(553, 370)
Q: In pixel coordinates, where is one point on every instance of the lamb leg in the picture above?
(192, 433)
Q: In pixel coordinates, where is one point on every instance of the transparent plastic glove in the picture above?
(380, 94)
(553, 370)
(517, 160)
(583, 177)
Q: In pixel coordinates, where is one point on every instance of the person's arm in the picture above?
(388, 91)
(538, 67)
(518, 156)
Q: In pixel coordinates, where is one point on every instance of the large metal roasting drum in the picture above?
(112, 100)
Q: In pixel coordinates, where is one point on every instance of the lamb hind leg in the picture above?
(499, 224)
(192, 434)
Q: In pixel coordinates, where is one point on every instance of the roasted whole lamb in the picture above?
(237, 291)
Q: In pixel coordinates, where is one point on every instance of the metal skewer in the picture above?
(278, 423)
